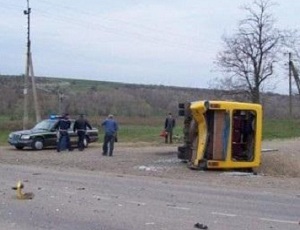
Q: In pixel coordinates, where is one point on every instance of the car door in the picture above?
(51, 138)
(72, 135)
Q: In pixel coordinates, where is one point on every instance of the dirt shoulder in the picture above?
(280, 168)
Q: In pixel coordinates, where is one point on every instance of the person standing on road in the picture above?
(110, 135)
(80, 126)
(169, 126)
(63, 136)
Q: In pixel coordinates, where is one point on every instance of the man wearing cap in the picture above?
(63, 140)
(80, 126)
(110, 128)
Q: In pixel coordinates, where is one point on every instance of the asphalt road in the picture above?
(73, 199)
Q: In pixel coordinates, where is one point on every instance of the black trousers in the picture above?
(63, 141)
(80, 142)
(108, 144)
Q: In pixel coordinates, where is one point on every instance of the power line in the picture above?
(145, 33)
(160, 36)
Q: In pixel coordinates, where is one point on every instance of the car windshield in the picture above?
(45, 124)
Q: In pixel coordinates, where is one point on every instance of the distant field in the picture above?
(148, 129)
(130, 129)
(282, 128)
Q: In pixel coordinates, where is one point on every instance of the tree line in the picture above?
(98, 98)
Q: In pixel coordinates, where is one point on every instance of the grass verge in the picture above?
(147, 130)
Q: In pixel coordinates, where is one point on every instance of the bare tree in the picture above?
(249, 55)
(292, 42)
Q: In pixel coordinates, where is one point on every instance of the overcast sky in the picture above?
(158, 42)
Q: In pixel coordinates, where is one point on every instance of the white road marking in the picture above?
(224, 214)
(136, 202)
(150, 223)
(181, 208)
(279, 221)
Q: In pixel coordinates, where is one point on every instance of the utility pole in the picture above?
(25, 115)
(60, 101)
(29, 72)
(290, 84)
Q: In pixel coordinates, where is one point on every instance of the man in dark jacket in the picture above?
(169, 126)
(63, 136)
(80, 126)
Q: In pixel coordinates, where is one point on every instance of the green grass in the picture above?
(272, 129)
(283, 128)
(141, 133)
(3, 137)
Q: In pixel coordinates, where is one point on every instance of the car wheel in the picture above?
(38, 144)
(19, 147)
(85, 141)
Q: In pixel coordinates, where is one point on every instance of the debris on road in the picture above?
(248, 174)
(200, 226)
(20, 194)
(269, 150)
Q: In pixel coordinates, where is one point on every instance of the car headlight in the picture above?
(25, 137)
(10, 135)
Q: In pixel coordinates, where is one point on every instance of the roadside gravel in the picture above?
(280, 168)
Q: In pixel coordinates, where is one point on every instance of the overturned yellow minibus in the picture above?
(221, 134)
